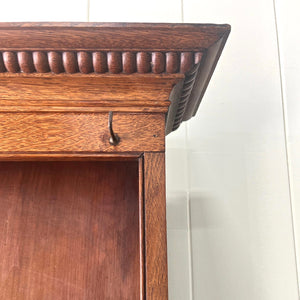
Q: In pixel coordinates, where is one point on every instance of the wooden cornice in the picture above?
(108, 66)
(98, 62)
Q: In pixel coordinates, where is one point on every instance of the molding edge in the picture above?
(99, 62)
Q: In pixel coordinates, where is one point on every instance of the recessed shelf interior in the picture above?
(69, 230)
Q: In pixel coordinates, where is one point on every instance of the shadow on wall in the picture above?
(221, 255)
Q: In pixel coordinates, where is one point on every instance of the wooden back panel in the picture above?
(69, 230)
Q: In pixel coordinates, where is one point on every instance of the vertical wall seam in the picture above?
(288, 162)
(182, 16)
(188, 207)
(189, 221)
(88, 10)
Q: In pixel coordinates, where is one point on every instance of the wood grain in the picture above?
(187, 100)
(10, 60)
(85, 62)
(97, 59)
(81, 218)
(142, 229)
(26, 62)
(73, 156)
(82, 132)
(100, 62)
(69, 230)
(186, 62)
(40, 61)
(129, 62)
(80, 87)
(2, 66)
(69, 61)
(111, 36)
(114, 62)
(158, 62)
(172, 62)
(55, 62)
(207, 67)
(143, 62)
(155, 227)
(186, 91)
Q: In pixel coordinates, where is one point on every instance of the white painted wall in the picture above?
(233, 172)
(241, 222)
(288, 16)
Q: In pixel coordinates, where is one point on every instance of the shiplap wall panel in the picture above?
(135, 11)
(178, 241)
(242, 237)
(179, 252)
(44, 11)
(288, 24)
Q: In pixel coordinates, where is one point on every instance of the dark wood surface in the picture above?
(142, 229)
(86, 90)
(69, 230)
(121, 67)
(99, 62)
(79, 132)
(155, 227)
(109, 36)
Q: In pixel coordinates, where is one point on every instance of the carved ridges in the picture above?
(186, 91)
(84, 62)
